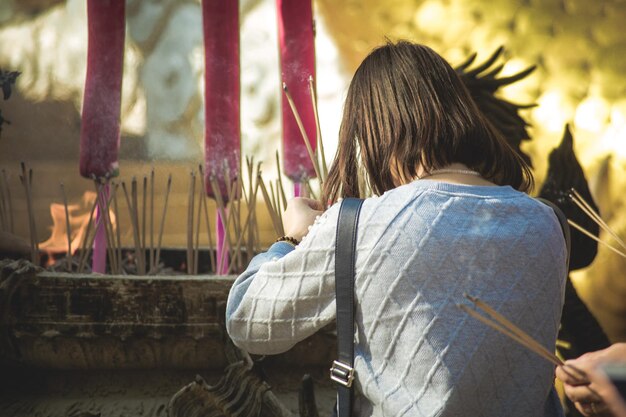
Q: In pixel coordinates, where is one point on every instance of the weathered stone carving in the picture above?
(240, 392)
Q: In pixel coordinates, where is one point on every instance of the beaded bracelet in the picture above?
(288, 239)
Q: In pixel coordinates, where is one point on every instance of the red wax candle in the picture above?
(297, 59)
(100, 128)
(221, 57)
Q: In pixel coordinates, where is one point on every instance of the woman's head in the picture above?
(407, 109)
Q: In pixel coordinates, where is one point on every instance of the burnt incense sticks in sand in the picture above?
(146, 228)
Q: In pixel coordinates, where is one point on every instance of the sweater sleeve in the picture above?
(285, 294)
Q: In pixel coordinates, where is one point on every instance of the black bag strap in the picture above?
(342, 371)
(564, 226)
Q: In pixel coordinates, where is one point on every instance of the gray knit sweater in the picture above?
(420, 247)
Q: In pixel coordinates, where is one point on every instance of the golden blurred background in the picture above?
(578, 46)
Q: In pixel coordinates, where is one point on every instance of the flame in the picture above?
(79, 219)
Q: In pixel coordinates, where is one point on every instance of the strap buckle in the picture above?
(342, 374)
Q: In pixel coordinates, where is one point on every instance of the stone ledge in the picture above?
(72, 321)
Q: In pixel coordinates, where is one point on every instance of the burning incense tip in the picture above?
(469, 297)
(285, 87)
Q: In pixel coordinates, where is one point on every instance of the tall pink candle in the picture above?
(222, 138)
(222, 146)
(100, 127)
(297, 59)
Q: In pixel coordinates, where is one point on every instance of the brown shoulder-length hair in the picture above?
(407, 106)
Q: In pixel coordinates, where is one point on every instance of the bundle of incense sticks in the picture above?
(595, 216)
(147, 251)
(503, 325)
(317, 155)
(103, 203)
(249, 227)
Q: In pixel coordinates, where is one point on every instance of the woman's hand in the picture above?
(587, 386)
(299, 215)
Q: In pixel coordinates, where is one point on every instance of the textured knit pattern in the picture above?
(420, 247)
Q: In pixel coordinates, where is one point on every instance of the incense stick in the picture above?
(93, 237)
(140, 248)
(233, 217)
(83, 251)
(157, 255)
(504, 326)
(280, 181)
(595, 216)
(198, 226)
(309, 189)
(246, 226)
(190, 213)
(318, 136)
(212, 265)
(594, 237)
(68, 230)
(143, 221)
(26, 178)
(251, 208)
(117, 228)
(132, 210)
(103, 210)
(275, 202)
(268, 202)
(257, 238)
(151, 258)
(307, 142)
(229, 255)
(9, 200)
(222, 225)
(4, 220)
(509, 334)
(236, 220)
(115, 265)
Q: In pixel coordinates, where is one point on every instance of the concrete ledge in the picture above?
(84, 322)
